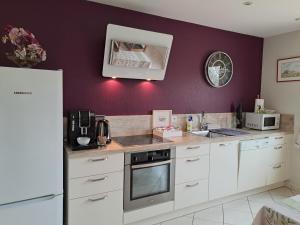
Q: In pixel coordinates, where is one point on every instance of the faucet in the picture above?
(202, 124)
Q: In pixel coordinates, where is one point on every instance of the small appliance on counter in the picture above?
(103, 132)
(82, 130)
(262, 121)
(162, 124)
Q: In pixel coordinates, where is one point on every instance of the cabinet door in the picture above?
(277, 173)
(253, 169)
(191, 193)
(97, 209)
(223, 169)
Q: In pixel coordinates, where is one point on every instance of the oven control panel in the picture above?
(151, 156)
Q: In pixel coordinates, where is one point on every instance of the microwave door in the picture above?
(269, 122)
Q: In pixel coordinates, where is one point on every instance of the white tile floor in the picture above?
(239, 212)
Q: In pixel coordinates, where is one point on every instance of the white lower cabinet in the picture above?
(101, 209)
(253, 169)
(277, 172)
(184, 220)
(191, 193)
(223, 169)
(95, 190)
(192, 168)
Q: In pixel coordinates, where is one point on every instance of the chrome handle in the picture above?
(278, 138)
(277, 167)
(98, 159)
(151, 164)
(193, 160)
(97, 179)
(192, 148)
(192, 185)
(97, 199)
(277, 148)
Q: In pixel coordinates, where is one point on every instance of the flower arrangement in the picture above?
(26, 50)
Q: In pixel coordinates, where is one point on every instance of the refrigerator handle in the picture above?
(29, 201)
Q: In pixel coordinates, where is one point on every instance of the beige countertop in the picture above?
(187, 138)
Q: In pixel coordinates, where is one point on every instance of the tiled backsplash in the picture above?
(142, 124)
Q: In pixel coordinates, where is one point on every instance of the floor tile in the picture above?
(281, 193)
(184, 220)
(211, 214)
(238, 205)
(199, 221)
(237, 213)
(258, 201)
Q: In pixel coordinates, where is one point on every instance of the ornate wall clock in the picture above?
(218, 69)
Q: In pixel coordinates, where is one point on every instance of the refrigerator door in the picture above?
(31, 134)
(40, 211)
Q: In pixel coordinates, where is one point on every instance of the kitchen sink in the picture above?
(207, 133)
(222, 132)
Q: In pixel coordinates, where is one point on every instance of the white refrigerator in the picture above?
(31, 147)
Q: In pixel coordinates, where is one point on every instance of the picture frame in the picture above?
(288, 69)
(161, 118)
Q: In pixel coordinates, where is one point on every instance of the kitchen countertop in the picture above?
(187, 138)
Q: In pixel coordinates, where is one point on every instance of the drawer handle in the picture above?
(193, 160)
(191, 148)
(98, 160)
(192, 185)
(278, 138)
(223, 145)
(97, 179)
(277, 148)
(277, 167)
(98, 199)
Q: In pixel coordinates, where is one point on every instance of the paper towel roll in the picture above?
(259, 105)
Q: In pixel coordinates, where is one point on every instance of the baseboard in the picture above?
(294, 187)
(161, 218)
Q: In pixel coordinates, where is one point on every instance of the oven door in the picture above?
(149, 184)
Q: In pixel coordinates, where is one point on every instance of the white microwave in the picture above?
(260, 121)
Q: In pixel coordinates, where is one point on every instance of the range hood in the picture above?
(135, 54)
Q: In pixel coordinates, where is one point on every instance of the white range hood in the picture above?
(135, 54)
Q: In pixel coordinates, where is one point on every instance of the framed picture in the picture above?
(162, 118)
(288, 69)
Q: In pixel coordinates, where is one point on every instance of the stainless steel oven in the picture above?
(149, 178)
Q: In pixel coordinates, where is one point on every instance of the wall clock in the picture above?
(218, 69)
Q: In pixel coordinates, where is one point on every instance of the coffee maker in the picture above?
(82, 124)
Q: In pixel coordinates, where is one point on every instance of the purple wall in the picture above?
(73, 33)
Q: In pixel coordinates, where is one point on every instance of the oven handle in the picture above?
(151, 164)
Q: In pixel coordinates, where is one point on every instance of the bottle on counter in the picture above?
(189, 123)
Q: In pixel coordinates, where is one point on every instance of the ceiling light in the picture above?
(247, 3)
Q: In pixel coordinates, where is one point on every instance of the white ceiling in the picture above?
(264, 18)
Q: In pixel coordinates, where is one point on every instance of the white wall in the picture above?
(284, 97)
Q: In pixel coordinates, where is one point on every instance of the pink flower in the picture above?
(44, 56)
(13, 35)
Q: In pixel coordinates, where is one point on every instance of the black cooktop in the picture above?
(147, 139)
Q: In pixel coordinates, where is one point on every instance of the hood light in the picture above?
(114, 77)
(148, 79)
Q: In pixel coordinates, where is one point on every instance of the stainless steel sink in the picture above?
(207, 133)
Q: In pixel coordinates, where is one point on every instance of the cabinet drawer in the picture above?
(87, 166)
(85, 186)
(277, 154)
(105, 208)
(191, 193)
(277, 173)
(278, 140)
(192, 150)
(192, 168)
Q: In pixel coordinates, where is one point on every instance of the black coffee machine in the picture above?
(82, 124)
